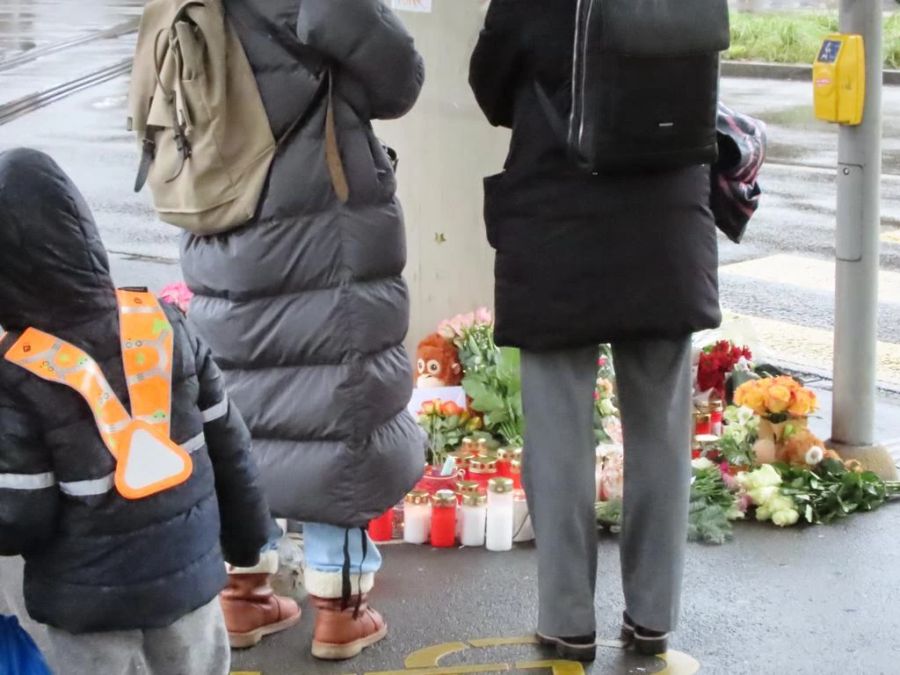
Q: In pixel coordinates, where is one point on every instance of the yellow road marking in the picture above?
(431, 656)
(891, 237)
(678, 663)
(558, 667)
(810, 273)
(427, 661)
(502, 642)
(802, 346)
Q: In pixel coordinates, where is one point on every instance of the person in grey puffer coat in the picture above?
(305, 307)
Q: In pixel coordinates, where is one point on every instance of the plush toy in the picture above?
(801, 448)
(437, 363)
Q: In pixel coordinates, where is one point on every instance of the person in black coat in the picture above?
(117, 581)
(584, 259)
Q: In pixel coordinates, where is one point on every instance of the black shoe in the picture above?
(581, 648)
(645, 641)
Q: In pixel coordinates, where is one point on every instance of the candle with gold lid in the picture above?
(443, 519)
(417, 517)
(473, 520)
(500, 513)
(481, 470)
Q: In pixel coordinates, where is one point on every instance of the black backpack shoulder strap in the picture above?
(554, 118)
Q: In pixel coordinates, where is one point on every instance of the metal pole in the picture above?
(857, 244)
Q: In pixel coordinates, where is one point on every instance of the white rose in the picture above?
(761, 496)
(702, 464)
(785, 518)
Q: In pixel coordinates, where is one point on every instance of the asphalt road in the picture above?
(818, 601)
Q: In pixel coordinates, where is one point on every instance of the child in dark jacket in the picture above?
(123, 523)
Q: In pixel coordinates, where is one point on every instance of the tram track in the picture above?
(27, 104)
(119, 30)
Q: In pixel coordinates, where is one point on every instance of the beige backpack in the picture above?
(206, 142)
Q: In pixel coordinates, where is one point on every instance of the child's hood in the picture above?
(54, 271)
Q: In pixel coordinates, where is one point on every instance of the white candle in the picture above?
(473, 520)
(522, 528)
(500, 515)
(417, 518)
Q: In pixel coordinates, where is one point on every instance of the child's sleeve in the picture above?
(29, 498)
(245, 517)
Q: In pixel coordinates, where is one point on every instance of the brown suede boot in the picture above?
(252, 610)
(343, 634)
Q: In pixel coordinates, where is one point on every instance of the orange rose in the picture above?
(804, 403)
(430, 407)
(751, 395)
(778, 398)
(450, 409)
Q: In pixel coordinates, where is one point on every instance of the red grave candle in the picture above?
(382, 528)
(443, 519)
(515, 470)
(481, 470)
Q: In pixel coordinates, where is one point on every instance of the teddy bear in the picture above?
(437, 363)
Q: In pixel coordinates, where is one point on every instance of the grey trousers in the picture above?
(654, 389)
(196, 644)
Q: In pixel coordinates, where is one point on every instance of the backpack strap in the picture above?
(332, 149)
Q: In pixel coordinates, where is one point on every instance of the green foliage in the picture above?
(795, 37)
(708, 523)
(609, 514)
(712, 508)
(831, 491)
(496, 392)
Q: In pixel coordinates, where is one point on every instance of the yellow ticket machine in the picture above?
(839, 79)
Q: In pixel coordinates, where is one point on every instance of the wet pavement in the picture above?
(815, 601)
(819, 600)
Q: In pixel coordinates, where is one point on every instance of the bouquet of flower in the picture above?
(821, 494)
(177, 294)
(606, 415)
(446, 424)
(716, 363)
(777, 399)
(713, 504)
(739, 433)
(496, 393)
(473, 335)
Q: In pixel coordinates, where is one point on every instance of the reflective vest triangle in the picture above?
(147, 461)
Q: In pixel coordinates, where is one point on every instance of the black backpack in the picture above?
(645, 84)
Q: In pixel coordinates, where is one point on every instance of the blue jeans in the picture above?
(323, 548)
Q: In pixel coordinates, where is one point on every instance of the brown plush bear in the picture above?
(801, 448)
(437, 363)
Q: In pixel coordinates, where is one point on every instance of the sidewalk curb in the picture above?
(781, 71)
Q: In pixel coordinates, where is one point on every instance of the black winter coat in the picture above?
(94, 561)
(582, 259)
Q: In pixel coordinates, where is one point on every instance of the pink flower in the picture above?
(483, 316)
(468, 320)
(177, 294)
(729, 480)
(457, 324)
(602, 361)
(445, 330)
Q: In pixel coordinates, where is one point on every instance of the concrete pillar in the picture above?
(446, 148)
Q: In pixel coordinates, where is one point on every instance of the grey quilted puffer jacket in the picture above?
(305, 308)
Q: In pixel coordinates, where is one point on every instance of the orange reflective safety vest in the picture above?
(147, 461)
